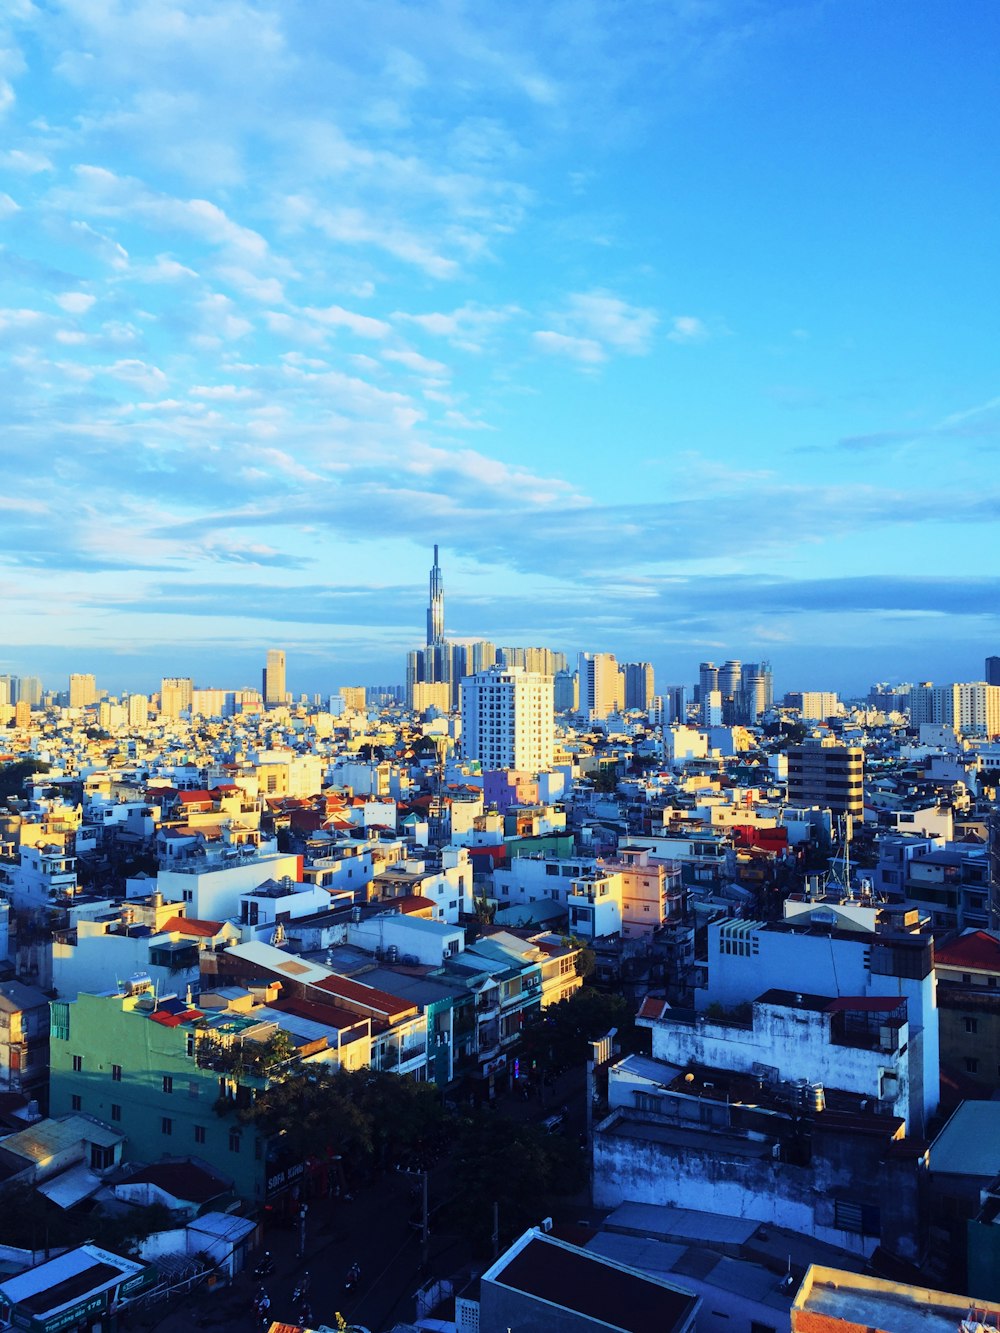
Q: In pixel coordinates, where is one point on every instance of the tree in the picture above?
(12, 776)
(562, 1037)
(515, 1165)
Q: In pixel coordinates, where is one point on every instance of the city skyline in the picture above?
(669, 325)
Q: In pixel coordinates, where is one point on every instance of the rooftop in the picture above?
(565, 1276)
(893, 1307)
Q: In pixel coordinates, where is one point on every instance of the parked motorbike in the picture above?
(265, 1265)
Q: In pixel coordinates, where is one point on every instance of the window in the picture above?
(199, 1133)
(60, 1020)
(190, 1043)
(77, 1063)
(971, 1065)
(101, 1157)
(971, 1025)
(168, 1083)
(234, 1140)
(116, 1073)
(116, 1111)
(76, 1102)
(166, 1125)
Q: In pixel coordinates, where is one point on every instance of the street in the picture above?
(379, 1229)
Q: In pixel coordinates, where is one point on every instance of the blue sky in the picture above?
(675, 323)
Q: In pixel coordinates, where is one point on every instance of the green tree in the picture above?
(515, 1165)
(12, 776)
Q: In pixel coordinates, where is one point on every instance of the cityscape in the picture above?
(596, 985)
(499, 667)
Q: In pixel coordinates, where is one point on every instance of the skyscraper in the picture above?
(639, 689)
(273, 684)
(435, 607)
(602, 685)
(507, 719)
(993, 671)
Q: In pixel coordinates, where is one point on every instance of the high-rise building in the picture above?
(708, 680)
(175, 695)
(639, 685)
(566, 691)
(7, 690)
(674, 704)
(29, 689)
(507, 720)
(138, 710)
(273, 678)
(435, 607)
(756, 692)
(972, 707)
(829, 775)
(601, 684)
(82, 690)
(730, 679)
(993, 671)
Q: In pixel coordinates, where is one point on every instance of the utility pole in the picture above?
(425, 1230)
(496, 1228)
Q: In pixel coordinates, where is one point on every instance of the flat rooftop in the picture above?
(894, 1307)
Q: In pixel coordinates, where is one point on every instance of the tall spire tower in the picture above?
(435, 609)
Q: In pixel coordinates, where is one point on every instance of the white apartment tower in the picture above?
(507, 720)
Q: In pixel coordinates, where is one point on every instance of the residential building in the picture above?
(508, 719)
(82, 691)
(175, 695)
(833, 1301)
(840, 948)
(829, 775)
(968, 996)
(601, 686)
(542, 1282)
(170, 1076)
(972, 708)
(24, 1040)
(652, 890)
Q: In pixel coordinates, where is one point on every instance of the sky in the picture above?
(674, 322)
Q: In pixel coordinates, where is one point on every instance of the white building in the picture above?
(507, 719)
(839, 949)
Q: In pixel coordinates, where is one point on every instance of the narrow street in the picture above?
(379, 1229)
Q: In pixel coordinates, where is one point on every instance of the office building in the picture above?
(639, 685)
(708, 679)
(566, 693)
(29, 690)
(273, 684)
(828, 775)
(82, 691)
(756, 692)
(993, 671)
(432, 665)
(507, 720)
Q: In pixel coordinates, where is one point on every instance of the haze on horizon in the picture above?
(674, 324)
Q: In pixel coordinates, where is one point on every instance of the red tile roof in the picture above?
(189, 925)
(979, 951)
(378, 1001)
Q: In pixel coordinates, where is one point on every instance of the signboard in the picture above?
(280, 1180)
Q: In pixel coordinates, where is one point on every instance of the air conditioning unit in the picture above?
(546, 1224)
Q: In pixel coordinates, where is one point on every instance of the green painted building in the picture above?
(168, 1076)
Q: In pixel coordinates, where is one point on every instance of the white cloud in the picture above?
(583, 350)
(8, 206)
(337, 317)
(687, 329)
(420, 365)
(612, 321)
(31, 164)
(75, 303)
(144, 376)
